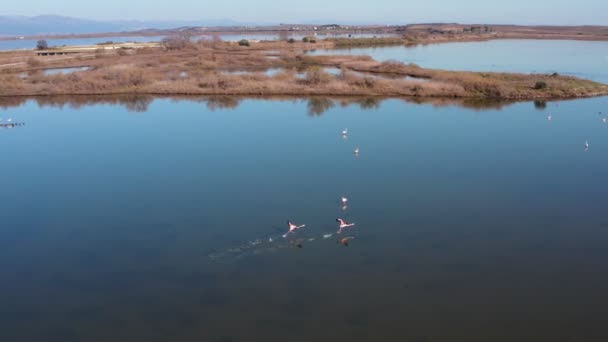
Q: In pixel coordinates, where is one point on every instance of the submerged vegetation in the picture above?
(213, 67)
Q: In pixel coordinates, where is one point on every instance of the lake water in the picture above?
(28, 44)
(577, 58)
(132, 219)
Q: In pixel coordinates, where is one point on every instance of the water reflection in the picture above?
(540, 105)
(221, 102)
(317, 106)
(133, 103)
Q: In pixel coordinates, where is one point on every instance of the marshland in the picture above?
(180, 65)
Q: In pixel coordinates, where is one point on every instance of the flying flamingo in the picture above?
(343, 225)
(292, 228)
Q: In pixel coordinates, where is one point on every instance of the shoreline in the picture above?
(503, 31)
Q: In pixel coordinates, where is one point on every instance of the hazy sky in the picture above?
(274, 11)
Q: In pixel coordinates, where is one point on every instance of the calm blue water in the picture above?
(135, 220)
(577, 58)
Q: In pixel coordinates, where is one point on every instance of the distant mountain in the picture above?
(53, 24)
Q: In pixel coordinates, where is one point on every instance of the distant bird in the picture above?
(270, 239)
(343, 225)
(344, 203)
(10, 120)
(327, 236)
(604, 120)
(586, 145)
(345, 131)
(549, 117)
(345, 241)
(292, 228)
(357, 151)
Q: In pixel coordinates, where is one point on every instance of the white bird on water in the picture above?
(345, 131)
(292, 228)
(10, 120)
(604, 120)
(344, 203)
(549, 117)
(357, 151)
(343, 225)
(586, 145)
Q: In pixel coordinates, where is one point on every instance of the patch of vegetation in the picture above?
(42, 45)
(34, 62)
(177, 42)
(244, 42)
(540, 85)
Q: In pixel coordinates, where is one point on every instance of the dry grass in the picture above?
(197, 69)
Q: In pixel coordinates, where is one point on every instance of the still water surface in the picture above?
(29, 44)
(484, 222)
(576, 58)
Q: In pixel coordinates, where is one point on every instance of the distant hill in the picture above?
(53, 24)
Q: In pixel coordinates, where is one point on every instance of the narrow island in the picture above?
(180, 65)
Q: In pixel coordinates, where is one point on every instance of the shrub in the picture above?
(33, 62)
(312, 41)
(177, 42)
(540, 85)
(305, 39)
(244, 42)
(291, 41)
(316, 75)
(42, 45)
(99, 53)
